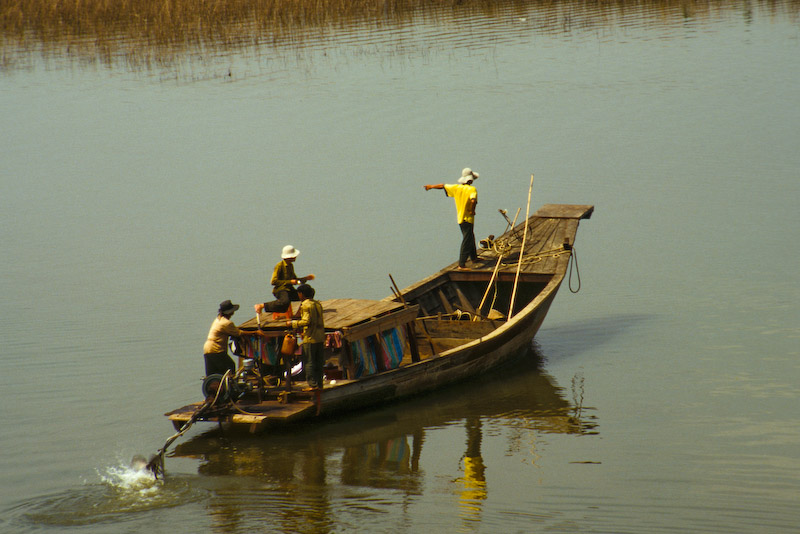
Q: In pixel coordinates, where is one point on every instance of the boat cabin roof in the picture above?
(355, 318)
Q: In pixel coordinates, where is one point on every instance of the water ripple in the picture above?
(122, 495)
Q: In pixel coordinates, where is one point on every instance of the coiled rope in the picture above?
(503, 248)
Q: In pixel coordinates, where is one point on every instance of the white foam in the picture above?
(127, 478)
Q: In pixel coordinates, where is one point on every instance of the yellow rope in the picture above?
(554, 253)
(503, 248)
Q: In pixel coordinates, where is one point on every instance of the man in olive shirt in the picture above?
(313, 326)
(283, 281)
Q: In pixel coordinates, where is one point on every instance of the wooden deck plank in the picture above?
(363, 330)
(259, 413)
(545, 238)
(565, 211)
(337, 313)
(349, 312)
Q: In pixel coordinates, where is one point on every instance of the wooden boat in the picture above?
(448, 327)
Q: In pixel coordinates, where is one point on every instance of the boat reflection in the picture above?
(474, 479)
(382, 449)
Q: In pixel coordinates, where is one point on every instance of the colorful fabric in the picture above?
(377, 353)
(374, 349)
(358, 362)
(363, 357)
(393, 342)
(334, 340)
(261, 348)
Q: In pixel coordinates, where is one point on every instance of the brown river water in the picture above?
(143, 183)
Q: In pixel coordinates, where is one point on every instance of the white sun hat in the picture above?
(466, 175)
(289, 252)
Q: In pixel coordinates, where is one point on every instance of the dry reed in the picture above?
(159, 31)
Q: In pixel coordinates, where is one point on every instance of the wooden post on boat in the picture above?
(427, 334)
(396, 290)
(257, 362)
(350, 366)
(412, 341)
(521, 251)
(510, 225)
(409, 327)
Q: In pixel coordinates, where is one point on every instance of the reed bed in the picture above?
(160, 32)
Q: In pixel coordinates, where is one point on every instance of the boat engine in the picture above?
(229, 387)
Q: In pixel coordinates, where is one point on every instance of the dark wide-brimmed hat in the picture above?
(226, 307)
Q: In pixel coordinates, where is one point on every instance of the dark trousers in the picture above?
(468, 249)
(281, 304)
(217, 364)
(314, 356)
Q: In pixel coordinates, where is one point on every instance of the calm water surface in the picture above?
(660, 398)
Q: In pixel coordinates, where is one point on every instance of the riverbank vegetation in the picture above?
(159, 32)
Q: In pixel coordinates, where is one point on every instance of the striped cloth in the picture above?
(378, 353)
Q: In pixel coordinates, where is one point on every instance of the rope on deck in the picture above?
(502, 247)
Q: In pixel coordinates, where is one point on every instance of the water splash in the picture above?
(124, 492)
(135, 479)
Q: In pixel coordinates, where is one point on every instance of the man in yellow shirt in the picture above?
(313, 326)
(466, 199)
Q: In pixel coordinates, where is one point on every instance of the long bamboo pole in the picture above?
(521, 251)
(491, 282)
(496, 267)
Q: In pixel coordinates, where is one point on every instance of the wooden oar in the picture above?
(521, 251)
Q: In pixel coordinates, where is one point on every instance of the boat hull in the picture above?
(478, 345)
(462, 363)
